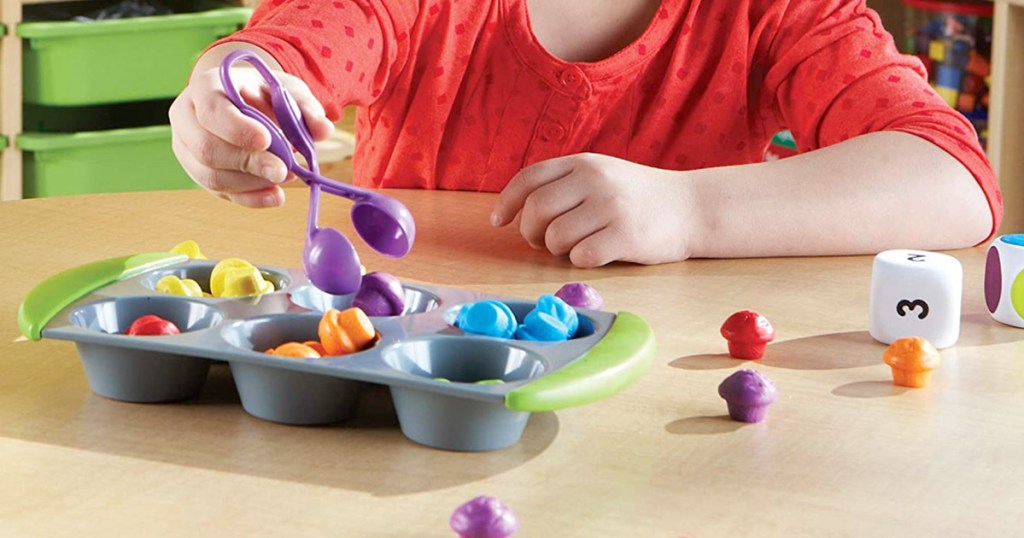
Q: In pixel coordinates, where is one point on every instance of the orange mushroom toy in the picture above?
(748, 333)
(316, 346)
(345, 331)
(912, 360)
(294, 350)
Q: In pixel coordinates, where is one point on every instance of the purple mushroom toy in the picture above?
(580, 295)
(483, 517)
(748, 394)
(380, 294)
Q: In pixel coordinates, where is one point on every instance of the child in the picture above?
(630, 130)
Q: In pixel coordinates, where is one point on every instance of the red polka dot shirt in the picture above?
(461, 95)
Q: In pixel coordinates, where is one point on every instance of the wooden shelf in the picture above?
(1006, 109)
(10, 100)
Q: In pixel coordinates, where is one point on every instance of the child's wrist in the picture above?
(213, 56)
(694, 220)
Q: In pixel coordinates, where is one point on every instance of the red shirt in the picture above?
(461, 95)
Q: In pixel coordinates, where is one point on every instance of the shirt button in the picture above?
(570, 78)
(552, 132)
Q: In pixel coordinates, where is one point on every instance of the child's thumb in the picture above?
(320, 127)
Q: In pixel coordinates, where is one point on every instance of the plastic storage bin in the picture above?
(71, 119)
(116, 160)
(954, 40)
(81, 63)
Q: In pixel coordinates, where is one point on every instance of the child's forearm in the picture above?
(870, 193)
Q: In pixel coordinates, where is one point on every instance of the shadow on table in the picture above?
(869, 389)
(368, 453)
(979, 329)
(847, 349)
(823, 352)
(703, 425)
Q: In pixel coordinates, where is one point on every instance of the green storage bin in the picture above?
(83, 63)
(73, 119)
(119, 160)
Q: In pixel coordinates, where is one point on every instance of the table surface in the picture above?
(843, 452)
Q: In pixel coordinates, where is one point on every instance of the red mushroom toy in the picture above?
(748, 333)
(152, 326)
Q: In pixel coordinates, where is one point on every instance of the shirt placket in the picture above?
(571, 90)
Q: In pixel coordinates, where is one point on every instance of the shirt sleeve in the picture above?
(832, 73)
(345, 50)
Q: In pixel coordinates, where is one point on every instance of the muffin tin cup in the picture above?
(280, 395)
(433, 370)
(138, 375)
(295, 398)
(418, 299)
(455, 423)
(142, 377)
(520, 309)
(201, 270)
(450, 423)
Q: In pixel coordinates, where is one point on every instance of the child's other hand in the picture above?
(599, 209)
(224, 151)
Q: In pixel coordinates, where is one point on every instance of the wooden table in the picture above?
(843, 453)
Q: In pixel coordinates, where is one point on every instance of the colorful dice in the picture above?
(916, 293)
(1004, 280)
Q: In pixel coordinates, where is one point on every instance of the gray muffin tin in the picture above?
(411, 351)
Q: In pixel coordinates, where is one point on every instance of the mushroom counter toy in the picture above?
(151, 325)
(580, 295)
(748, 393)
(380, 294)
(748, 333)
(912, 360)
(483, 517)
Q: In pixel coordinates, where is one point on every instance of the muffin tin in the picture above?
(92, 304)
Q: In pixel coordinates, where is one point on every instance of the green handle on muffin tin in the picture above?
(614, 363)
(53, 294)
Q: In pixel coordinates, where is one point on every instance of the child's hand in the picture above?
(224, 151)
(599, 209)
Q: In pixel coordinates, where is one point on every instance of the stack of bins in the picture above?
(96, 95)
(953, 38)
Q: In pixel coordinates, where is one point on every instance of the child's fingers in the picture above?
(271, 197)
(547, 203)
(569, 229)
(320, 128)
(596, 249)
(514, 195)
(312, 111)
(215, 153)
(218, 115)
(258, 98)
(228, 182)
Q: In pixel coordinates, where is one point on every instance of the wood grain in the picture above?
(843, 453)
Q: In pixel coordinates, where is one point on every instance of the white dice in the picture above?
(1004, 280)
(916, 293)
